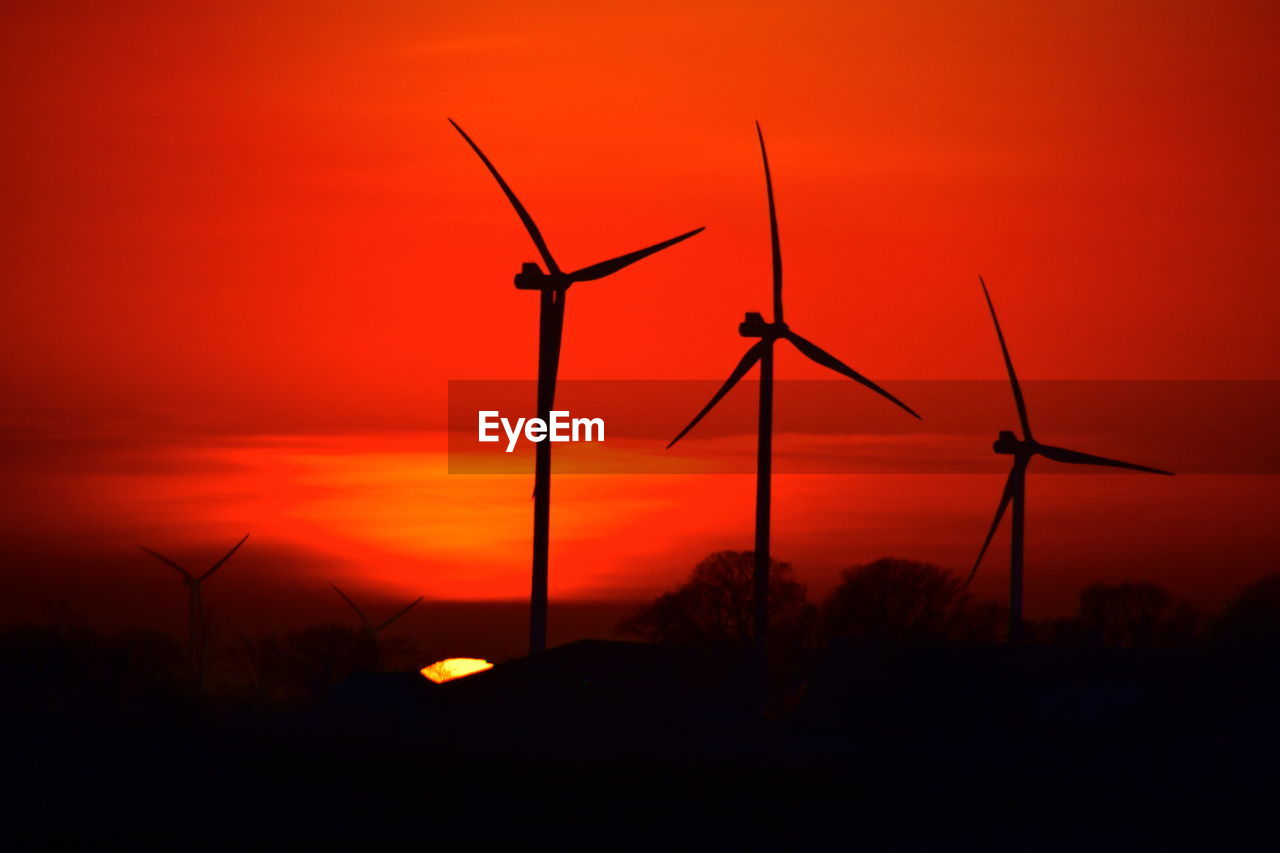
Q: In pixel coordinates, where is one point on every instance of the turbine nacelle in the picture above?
(1009, 444)
(531, 277)
(753, 325)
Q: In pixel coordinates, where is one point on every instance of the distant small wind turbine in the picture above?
(1015, 488)
(197, 628)
(553, 285)
(754, 326)
(372, 629)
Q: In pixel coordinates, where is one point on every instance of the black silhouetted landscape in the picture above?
(892, 715)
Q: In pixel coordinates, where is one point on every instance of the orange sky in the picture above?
(245, 252)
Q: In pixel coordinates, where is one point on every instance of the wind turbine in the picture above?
(754, 326)
(197, 628)
(370, 628)
(1015, 488)
(553, 286)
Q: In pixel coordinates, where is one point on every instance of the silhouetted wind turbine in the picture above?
(1015, 488)
(373, 630)
(754, 326)
(197, 634)
(553, 285)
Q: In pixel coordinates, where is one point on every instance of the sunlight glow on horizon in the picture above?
(451, 668)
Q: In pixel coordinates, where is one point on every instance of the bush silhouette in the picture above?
(714, 607)
(906, 600)
(1137, 615)
(302, 665)
(72, 668)
(1251, 619)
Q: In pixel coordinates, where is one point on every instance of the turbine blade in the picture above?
(225, 557)
(610, 267)
(354, 606)
(387, 623)
(773, 231)
(747, 362)
(1075, 457)
(1008, 363)
(1005, 498)
(826, 359)
(529, 224)
(170, 563)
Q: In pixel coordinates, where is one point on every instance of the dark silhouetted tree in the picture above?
(68, 667)
(1136, 614)
(262, 667)
(894, 599)
(318, 658)
(1251, 619)
(397, 653)
(715, 606)
(300, 666)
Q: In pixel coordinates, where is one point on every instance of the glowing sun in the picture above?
(451, 668)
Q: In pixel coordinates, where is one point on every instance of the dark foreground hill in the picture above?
(612, 745)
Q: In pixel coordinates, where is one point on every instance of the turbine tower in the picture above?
(373, 630)
(1023, 449)
(552, 285)
(754, 326)
(197, 627)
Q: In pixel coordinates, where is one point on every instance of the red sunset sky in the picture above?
(244, 253)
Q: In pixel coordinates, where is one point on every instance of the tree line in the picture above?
(900, 600)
